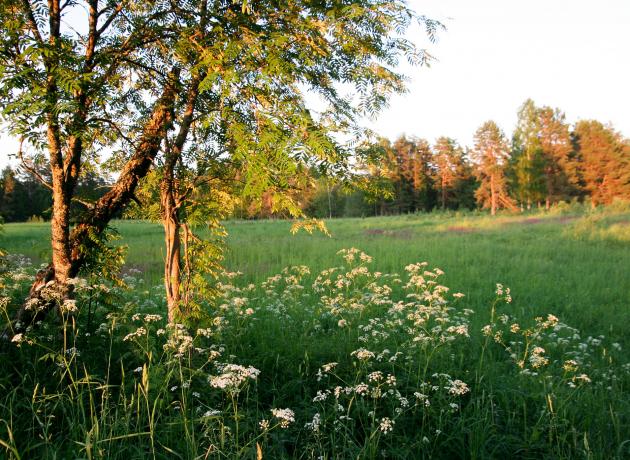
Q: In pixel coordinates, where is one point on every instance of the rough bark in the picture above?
(172, 244)
(69, 248)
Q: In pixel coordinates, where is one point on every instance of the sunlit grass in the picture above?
(346, 363)
(574, 263)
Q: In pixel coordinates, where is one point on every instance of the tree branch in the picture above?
(110, 19)
(30, 18)
(135, 169)
(31, 168)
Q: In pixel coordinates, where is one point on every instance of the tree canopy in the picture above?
(193, 82)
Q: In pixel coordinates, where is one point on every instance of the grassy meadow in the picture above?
(376, 357)
(571, 263)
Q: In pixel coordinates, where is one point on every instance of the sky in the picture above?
(574, 55)
(570, 54)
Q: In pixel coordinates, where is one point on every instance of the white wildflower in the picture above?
(362, 354)
(386, 425)
(137, 333)
(314, 424)
(458, 388)
(233, 376)
(68, 306)
(285, 416)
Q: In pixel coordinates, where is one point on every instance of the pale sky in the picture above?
(570, 54)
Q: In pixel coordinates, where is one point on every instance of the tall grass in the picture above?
(345, 356)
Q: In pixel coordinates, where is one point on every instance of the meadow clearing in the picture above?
(362, 353)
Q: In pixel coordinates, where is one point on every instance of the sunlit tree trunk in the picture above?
(443, 191)
(493, 196)
(172, 244)
(60, 222)
(170, 199)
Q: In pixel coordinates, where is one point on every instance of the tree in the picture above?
(491, 155)
(527, 156)
(22, 197)
(603, 162)
(450, 169)
(561, 180)
(423, 172)
(407, 174)
(12, 198)
(406, 164)
(541, 156)
(136, 70)
(255, 112)
(73, 94)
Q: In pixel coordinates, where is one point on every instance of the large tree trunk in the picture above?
(69, 249)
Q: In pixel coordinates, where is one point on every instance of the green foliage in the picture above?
(541, 163)
(344, 362)
(204, 202)
(103, 259)
(528, 156)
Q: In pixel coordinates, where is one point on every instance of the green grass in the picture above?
(107, 388)
(572, 265)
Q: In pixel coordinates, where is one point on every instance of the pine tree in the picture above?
(602, 161)
(561, 180)
(490, 156)
(450, 170)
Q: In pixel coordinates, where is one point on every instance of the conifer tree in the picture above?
(450, 168)
(490, 156)
(602, 161)
(561, 180)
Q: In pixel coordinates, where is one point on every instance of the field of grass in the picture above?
(573, 264)
(372, 359)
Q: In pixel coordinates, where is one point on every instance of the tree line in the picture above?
(545, 162)
(25, 198)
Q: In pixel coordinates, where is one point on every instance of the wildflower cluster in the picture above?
(233, 377)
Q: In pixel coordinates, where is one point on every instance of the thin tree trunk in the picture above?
(186, 288)
(171, 199)
(172, 244)
(493, 196)
(329, 200)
